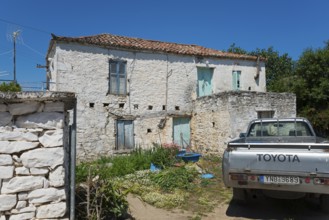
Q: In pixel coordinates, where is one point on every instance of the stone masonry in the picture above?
(34, 156)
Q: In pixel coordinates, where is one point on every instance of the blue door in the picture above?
(181, 130)
(204, 81)
(125, 134)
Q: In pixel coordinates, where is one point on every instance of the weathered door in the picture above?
(125, 134)
(181, 130)
(204, 81)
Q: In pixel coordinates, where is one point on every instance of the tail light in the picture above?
(321, 181)
(239, 177)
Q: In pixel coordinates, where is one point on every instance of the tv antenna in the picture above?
(14, 36)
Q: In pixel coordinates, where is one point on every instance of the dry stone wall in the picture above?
(222, 117)
(33, 161)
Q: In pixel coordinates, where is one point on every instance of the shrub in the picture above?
(10, 87)
(164, 156)
(99, 199)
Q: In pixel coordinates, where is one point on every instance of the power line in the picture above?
(34, 50)
(9, 51)
(25, 26)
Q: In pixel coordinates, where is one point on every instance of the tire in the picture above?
(324, 202)
(239, 196)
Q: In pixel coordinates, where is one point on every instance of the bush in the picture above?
(99, 199)
(10, 87)
(164, 156)
(118, 166)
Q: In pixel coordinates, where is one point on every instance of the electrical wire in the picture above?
(9, 51)
(25, 26)
(34, 50)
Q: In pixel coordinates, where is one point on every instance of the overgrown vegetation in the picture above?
(10, 87)
(176, 184)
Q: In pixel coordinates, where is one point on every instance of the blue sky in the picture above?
(290, 26)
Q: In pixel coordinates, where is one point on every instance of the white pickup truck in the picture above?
(281, 158)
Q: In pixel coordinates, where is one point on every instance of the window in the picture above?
(265, 114)
(117, 79)
(283, 128)
(236, 83)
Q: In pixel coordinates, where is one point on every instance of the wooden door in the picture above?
(181, 131)
(125, 134)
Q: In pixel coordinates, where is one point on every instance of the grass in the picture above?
(171, 187)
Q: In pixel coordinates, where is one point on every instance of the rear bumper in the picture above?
(253, 181)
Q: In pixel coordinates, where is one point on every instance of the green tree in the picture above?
(279, 69)
(235, 49)
(10, 87)
(311, 86)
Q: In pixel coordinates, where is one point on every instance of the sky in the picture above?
(289, 26)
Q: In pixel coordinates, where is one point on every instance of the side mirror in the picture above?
(242, 135)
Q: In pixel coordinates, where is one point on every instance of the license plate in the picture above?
(288, 180)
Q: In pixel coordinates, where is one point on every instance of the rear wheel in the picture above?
(239, 195)
(324, 202)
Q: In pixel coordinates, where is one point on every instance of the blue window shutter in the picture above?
(236, 80)
(204, 86)
(118, 77)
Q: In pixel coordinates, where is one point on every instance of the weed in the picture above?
(174, 177)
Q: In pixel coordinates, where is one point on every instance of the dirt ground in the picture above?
(143, 211)
(260, 208)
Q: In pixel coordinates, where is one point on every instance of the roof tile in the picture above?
(110, 41)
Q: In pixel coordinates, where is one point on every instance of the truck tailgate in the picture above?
(278, 161)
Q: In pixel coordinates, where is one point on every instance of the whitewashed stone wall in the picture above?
(33, 160)
(153, 79)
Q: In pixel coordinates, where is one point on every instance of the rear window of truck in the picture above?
(279, 128)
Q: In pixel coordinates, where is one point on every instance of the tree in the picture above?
(235, 49)
(10, 87)
(279, 69)
(311, 86)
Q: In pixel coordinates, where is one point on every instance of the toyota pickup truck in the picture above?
(281, 158)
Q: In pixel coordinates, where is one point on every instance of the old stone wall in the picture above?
(222, 117)
(33, 157)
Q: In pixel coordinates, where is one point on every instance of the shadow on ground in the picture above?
(269, 208)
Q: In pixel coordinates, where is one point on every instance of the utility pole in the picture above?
(15, 35)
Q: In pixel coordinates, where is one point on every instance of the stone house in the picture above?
(136, 92)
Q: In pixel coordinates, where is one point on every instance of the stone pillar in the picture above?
(34, 155)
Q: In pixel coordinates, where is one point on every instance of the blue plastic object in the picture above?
(154, 168)
(189, 157)
(207, 176)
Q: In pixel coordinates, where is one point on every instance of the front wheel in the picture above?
(324, 202)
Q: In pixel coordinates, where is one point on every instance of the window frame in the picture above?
(117, 75)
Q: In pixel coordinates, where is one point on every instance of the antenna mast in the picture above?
(15, 35)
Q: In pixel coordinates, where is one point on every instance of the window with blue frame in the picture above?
(236, 83)
(118, 77)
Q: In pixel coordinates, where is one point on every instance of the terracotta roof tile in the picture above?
(115, 41)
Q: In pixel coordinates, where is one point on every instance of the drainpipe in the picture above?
(257, 68)
(73, 162)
